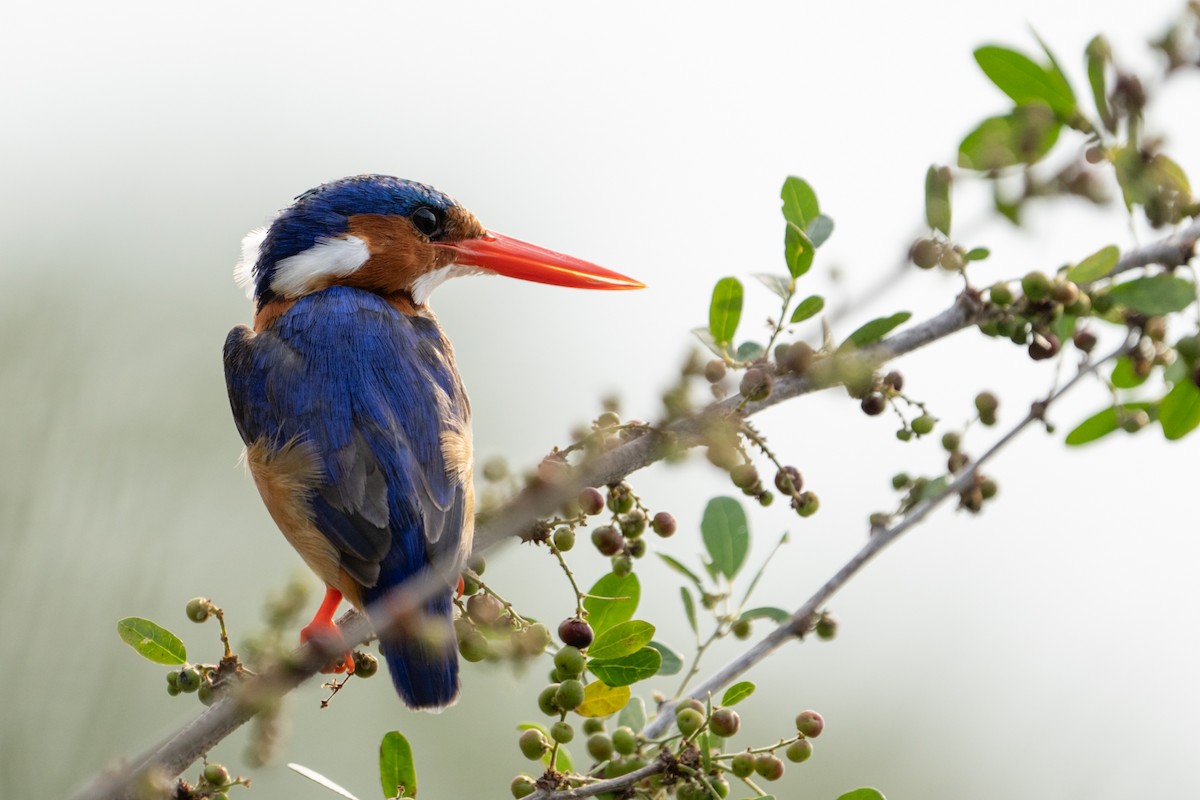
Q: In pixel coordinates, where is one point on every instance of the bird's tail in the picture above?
(424, 662)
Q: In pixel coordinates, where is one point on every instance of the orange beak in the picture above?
(516, 259)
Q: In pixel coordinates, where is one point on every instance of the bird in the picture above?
(345, 393)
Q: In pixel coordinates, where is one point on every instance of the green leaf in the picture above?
(689, 608)
(612, 600)
(1026, 81)
(681, 569)
(628, 669)
(726, 534)
(977, 254)
(1064, 327)
(768, 612)
(633, 715)
(737, 693)
(621, 640)
(808, 307)
(672, 662)
(1103, 423)
(706, 338)
(798, 250)
(725, 311)
(1155, 295)
(1124, 376)
(1056, 77)
(799, 202)
(396, 767)
(876, 329)
(321, 780)
(934, 487)
(1095, 266)
(600, 700)
(1179, 411)
(819, 229)
(865, 793)
(937, 199)
(1023, 137)
(749, 351)
(152, 641)
(781, 286)
(1098, 53)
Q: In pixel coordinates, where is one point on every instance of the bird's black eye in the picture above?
(428, 221)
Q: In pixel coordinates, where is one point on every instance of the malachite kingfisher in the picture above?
(356, 425)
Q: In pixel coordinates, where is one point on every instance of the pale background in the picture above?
(1046, 649)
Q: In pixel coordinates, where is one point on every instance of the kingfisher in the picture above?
(345, 392)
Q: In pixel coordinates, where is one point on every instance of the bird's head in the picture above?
(391, 235)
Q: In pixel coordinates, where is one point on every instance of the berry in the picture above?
(922, 425)
(894, 381)
(522, 786)
(788, 480)
(900, 480)
(593, 725)
(1001, 295)
(714, 371)
(689, 721)
(799, 357)
(1043, 346)
(473, 646)
(622, 565)
(569, 695)
(768, 766)
(633, 524)
(799, 751)
(987, 489)
(1085, 340)
(609, 419)
(1066, 293)
(925, 253)
(546, 701)
(495, 469)
(216, 774)
(620, 498)
(741, 628)
(725, 722)
(742, 765)
(744, 476)
(569, 662)
(477, 564)
(591, 501)
(365, 665)
(720, 785)
(532, 744)
(624, 740)
(1036, 286)
(826, 627)
(952, 260)
(484, 609)
(663, 524)
(536, 639)
(806, 504)
(199, 609)
(608, 540)
(756, 384)
(810, 724)
(575, 632)
(562, 732)
(951, 441)
(206, 694)
(600, 746)
(564, 539)
(874, 404)
(188, 680)
(637, 548)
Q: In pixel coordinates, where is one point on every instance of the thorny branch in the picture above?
(174, 754)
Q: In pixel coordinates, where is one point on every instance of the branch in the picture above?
(803, 620)
(174, 754)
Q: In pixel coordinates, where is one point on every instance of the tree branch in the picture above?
(174, 754)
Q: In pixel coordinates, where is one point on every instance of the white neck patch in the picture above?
(328, 258)
(423, 286)
(243, 272)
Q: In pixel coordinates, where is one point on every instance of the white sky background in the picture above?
(1045, 649)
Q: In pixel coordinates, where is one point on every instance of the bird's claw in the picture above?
(329, 633)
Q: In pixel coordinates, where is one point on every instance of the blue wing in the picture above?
(374, 396)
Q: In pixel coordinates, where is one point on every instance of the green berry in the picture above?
(986, 402)
(951, 441)
(569, 695)
(637, 548)
(923, 424)
(569, 662)
(564, 539)
(600, 746)
(473, 646)
(826, 627)
(689, 721)
(546, 701)
(562, 732)
(806, 504)
(1036, 286)
(925, 253)
(741, 628)
(725, 722)
(622, 565)
(206, 694)
(720, 785)
(620, 498)
(810, 724)
(742, 765)
(900, 480)
(624, 740)
(199, 609)
(532, 744)
(768, 766)
(477, 564)
(799, 751)
(522, 786)
(593, 725)
(365, 665)
(633, 524)
(216, 774)
(1001, 295)
(189, 679)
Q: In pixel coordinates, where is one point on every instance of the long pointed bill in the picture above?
(516, 259)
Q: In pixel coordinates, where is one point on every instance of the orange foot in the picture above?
(462, 586)
(323, 627)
